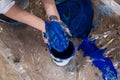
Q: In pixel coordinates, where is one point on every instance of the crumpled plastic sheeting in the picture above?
(112, 5)
(8, 56)
(104, 9)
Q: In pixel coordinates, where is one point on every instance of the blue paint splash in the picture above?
(96, 55)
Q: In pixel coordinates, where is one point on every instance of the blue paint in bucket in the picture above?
(104, 64)
(62, 58)
(66, 54)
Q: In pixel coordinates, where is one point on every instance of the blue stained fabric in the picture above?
(78, 15)
(57, 38)
(59, 1)
(96, 55)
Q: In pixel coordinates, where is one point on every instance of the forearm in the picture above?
(50, 8)
(23, 16)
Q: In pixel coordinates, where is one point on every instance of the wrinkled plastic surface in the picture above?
(112, 4)
(28, 47)
(104, 64)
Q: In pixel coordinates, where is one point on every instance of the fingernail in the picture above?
(70, 34)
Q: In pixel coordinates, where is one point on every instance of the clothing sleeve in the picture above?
(5, 5)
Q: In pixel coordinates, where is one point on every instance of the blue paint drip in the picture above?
(96, 55)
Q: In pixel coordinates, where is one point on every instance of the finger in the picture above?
(68, 32)
(57, 29)
(56, 45)
(65, 28)
(54, 40)
(60, 45)
(61, 36)
(45, 37)
(65, 45)
(46, 41)
(49, 47)
(59, 32)
(63, 39)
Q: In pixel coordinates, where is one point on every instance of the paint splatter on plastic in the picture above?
(104, 64)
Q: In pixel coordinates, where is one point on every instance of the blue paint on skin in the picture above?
(57, 38)
(96, 55)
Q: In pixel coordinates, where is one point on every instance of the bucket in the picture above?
(63, 58)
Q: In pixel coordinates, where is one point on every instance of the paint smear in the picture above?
(103, 63)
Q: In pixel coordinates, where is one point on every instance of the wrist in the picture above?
(54, 18)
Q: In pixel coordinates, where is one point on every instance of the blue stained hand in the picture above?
(56, 35)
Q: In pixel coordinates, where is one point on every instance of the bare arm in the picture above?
(50, 8)
(23, 16)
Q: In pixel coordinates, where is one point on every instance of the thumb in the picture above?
(65, 29)
(45, 37)
(68, 32)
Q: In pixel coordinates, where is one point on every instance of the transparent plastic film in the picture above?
(23, 49)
